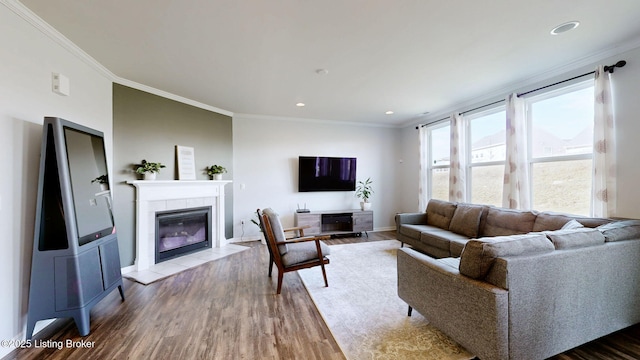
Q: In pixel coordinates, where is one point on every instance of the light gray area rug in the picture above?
(362, 308)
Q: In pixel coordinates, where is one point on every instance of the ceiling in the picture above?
(409, 56)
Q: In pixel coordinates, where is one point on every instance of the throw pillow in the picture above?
(466, 220)
(620, 230)
(573, 224)
(478, 255)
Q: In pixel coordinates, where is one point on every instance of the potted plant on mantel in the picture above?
(364, 191)
(216, 171)
(103, 181)
(148, 169)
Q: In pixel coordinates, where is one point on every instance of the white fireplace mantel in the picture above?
(161, 195)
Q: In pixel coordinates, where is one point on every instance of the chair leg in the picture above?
(270, 264)
(410, 310)
(324, 275)
(280, 273)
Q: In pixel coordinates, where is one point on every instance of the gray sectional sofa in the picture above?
(524, 288)
(445, 227)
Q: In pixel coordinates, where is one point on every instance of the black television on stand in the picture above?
(75, 261)
(321, 173)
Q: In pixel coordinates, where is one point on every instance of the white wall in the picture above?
(266, 150)
(626, 87)
(28, 59)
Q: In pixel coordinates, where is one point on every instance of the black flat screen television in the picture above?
(87, 166)
(76, 199)
(317, 173)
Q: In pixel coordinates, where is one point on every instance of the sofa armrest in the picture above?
(473, 313)
(418, 218)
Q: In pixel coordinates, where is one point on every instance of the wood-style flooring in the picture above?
(228, 309)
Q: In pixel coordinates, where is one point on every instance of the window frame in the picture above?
(430, 167)
(469, 142)
(529, 101)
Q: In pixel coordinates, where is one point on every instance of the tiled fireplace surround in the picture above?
(159, 195)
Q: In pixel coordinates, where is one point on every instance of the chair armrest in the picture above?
(304, 239)
(300, 229)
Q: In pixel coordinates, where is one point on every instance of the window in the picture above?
(438, 161)
(561, 149)
(487, 155)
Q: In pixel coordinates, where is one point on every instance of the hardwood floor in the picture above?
(228, 309)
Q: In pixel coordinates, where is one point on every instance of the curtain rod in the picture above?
(609, 68)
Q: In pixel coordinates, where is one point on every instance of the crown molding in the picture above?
(37, 22)
(316, 121)
(168, 95)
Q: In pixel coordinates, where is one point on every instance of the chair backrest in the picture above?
(264, 232)
(273, 226)
(270, 238)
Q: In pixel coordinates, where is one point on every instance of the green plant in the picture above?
(215, 169)
(102, 179)
(257, 223)
(364, 189)
(146, 167)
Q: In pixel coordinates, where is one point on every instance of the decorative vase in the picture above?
(149, 176)
(217, 176)
(104, 187)
(365, 205)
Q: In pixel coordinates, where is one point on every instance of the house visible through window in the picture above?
(560, 148)
(486, 168)
(438, 159)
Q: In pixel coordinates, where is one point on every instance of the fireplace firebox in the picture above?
(182, 231)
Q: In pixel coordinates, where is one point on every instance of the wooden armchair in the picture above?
(292, 254)
(297, 231)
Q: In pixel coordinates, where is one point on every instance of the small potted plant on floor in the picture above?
(148, 169)
(364, 191)
(216, 171)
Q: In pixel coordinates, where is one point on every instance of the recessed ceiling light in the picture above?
(564, 27)
(300, 104)
(389, 112)
(322, 71)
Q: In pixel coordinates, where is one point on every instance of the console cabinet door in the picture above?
(363, 221)
(313, 220)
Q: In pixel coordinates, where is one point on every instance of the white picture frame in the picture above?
(185, 156)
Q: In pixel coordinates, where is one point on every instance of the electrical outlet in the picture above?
(241, 222)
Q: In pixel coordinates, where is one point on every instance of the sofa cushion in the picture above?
(440, 238)
(502, 221)
(414, 231)
(303, 251)
(466, 220)
(620, 230)
(439, 213)
(456, 246)
(573, 238)
(478, 255)
(549, 220)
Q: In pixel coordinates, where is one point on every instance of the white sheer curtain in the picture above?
(515, 190)
(457, 163)
(603, 194)
(423, 185)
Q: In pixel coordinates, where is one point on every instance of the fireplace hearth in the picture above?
(182, 231)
